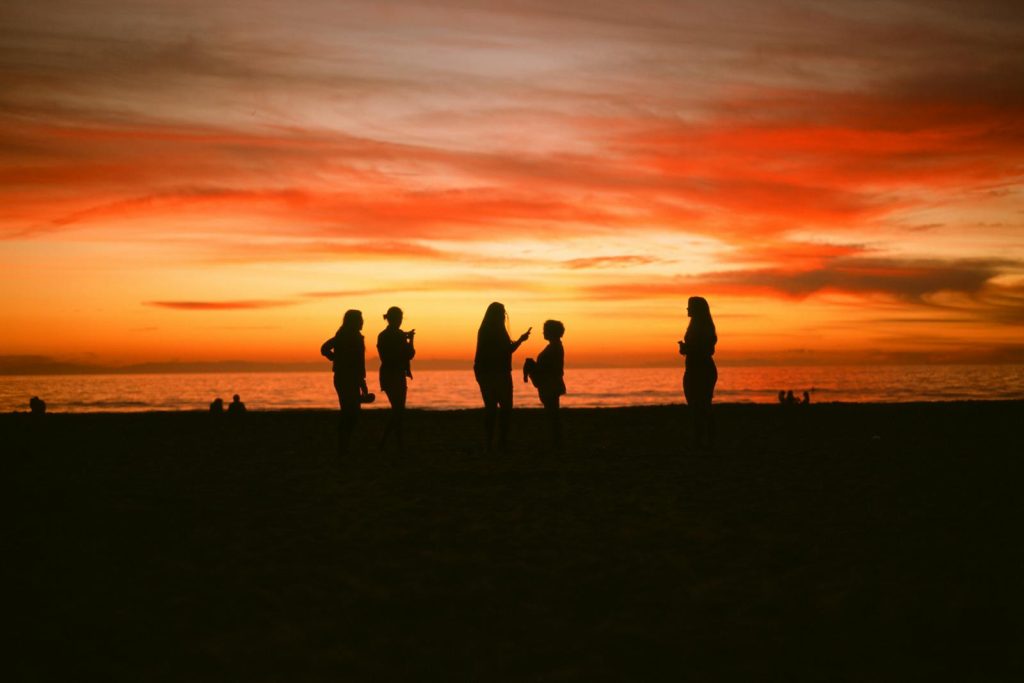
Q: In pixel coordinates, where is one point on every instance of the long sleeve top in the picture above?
(494, 352)
(550, 372)
(395, 350)
(347, 352)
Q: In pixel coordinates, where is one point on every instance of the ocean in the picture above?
(454, 389)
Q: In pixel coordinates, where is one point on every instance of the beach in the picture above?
(825, 542)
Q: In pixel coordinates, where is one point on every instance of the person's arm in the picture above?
(410, 345)
(518, 342)
(362, 367)
(327, 349)
(682, 348)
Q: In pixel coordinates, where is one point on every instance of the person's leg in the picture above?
(551, 408)
(504, 389)
(397, 417)
(350, 405)
(488, 394)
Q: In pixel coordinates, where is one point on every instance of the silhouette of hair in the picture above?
(701, 326)
(351, 321)
(394, 315)
(494, 322)
(553, 329)
(236, 397)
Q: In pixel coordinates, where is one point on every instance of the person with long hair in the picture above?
(347, 353)
(492, 366)
(395, 349)
(548, 375)
(701, 375)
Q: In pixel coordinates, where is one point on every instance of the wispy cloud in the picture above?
(236, 305)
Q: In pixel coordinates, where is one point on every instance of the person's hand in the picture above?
(410, 334)
(682, 348)
(525, 335)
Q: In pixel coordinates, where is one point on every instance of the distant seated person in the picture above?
(782, 397)
(807, 398)
(790, 398)
(236, 405)
(37, 406)
(217, 405)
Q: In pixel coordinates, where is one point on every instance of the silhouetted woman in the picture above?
(395, 348)
(548, 375)
(701, 374)
(492, 366)
(347, 352)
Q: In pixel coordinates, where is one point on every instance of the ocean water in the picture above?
(450, 389)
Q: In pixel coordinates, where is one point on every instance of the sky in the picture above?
(220, 180)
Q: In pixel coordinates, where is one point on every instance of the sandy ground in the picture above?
(832, 543)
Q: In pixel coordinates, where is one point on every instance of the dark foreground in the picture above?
(840, 542)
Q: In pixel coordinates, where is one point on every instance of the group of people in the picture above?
(236, 405)
(492, 367)
(787, 398)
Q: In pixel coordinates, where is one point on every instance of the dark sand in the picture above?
(835, 543)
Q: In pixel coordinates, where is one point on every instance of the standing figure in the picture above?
(548, 375)
(395, 348)
(236, 406)
(492, 366)
(347, 352)
(701, 375)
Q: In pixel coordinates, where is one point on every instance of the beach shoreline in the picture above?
(822, 542)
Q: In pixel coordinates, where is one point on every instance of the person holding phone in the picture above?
(492, 366)
(396, 351)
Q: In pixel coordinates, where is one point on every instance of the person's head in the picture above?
(352, 320)
(553, 329)
(697, 307)
(394, 316)
(494, 318)
(236, 398)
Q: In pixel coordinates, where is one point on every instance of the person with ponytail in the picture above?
(492, 366)
(701, 375)
(395, 349)
(347, 353)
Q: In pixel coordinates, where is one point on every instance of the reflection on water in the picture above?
(449, 389)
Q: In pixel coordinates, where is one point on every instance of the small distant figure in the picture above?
(807, 399)
(217, 405)
(396, 351)
(236, 405)
(782, 397)
(790, 398)
(347, 352)
(701, 374)
(36, 405)
(492, 366)
(548, 374)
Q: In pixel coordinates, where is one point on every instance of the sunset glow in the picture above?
(220, 180)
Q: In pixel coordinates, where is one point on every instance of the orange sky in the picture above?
(205, 181)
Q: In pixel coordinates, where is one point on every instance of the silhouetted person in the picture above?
(548, 375)
(236, 406)
(790, 398)
(347, 353)
(395, 349)
(701, 375)
(782, 397)
(807, 398)
(492, 366)
(36, 405)
(217, 405)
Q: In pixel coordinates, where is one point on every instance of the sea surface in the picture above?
(451, 389)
